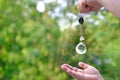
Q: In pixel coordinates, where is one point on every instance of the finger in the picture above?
(86, 8)
(83, 7)
(68, 69)
(83, 65)
(75, 69)
(71, 72)
(69, 66)
(74, 74)
(80, 7)
(78, 70)
(64, 67)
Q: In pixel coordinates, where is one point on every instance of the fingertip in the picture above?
(83, 65)
(71, 72)
(63, 65)
(80, 63)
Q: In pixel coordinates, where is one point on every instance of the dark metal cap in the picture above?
(81, 20)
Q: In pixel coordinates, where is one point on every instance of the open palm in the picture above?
(87, 73)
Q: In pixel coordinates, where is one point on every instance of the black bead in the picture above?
(81, 20)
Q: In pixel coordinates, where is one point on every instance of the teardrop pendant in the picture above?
(81, 48)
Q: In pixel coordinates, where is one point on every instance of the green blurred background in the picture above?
(34, 43)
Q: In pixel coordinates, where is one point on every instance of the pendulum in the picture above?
(81, 48)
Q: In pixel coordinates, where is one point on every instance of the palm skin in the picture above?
(87, 73)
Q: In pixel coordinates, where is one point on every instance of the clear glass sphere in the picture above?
(81, 48)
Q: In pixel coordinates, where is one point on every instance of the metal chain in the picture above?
(81, 21)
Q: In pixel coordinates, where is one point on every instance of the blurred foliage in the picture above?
(32, 47)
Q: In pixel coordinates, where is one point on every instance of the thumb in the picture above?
(83, 65)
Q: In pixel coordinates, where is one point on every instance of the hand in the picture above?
(86, 6)
(87, 73)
